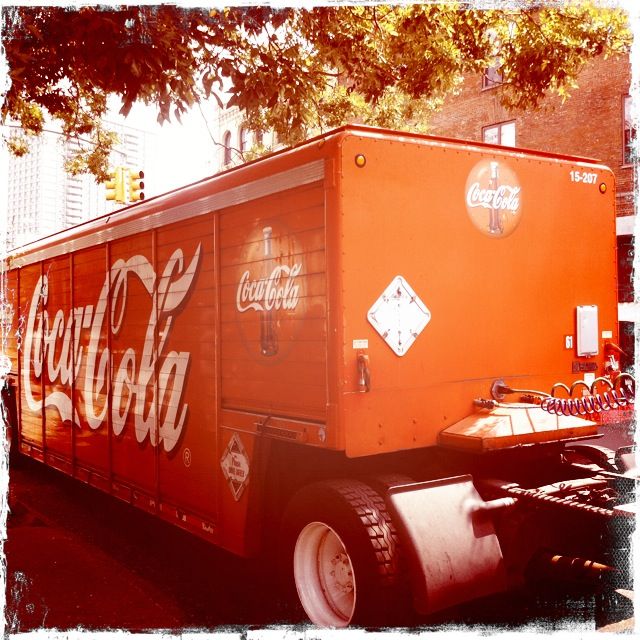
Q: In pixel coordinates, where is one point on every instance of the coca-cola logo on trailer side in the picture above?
(270, 287)
(53, 348)
(278, 290)
(493, 198)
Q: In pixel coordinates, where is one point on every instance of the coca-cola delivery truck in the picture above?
(379, 358)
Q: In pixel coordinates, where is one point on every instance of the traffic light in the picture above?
(136, 185)
(115, 187)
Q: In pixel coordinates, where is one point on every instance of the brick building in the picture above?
(594, 122)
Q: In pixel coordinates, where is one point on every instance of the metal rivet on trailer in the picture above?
(360, 160)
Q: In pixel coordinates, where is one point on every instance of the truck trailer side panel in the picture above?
(143, 368)
(273, 305)
(91, 447)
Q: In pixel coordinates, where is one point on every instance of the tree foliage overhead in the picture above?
(289, 69)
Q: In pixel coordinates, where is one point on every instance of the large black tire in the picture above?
(342, 548)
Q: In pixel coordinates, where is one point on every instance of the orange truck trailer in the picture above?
(379, 358)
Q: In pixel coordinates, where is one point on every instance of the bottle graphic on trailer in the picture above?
(268, 335)
(495, 220)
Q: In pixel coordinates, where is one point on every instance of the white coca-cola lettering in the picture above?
(278, 291)
(504, 197)
(134, 376)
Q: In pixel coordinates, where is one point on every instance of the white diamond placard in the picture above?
(399, 316)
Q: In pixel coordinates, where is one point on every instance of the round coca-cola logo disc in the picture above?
(493, 198)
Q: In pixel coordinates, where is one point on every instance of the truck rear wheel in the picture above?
(343, 549)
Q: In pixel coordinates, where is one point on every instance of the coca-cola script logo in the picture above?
(493, 198)
(52, 345)
(279, 290)
(271, 288)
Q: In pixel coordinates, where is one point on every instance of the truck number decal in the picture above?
(583, 177)
(133, 377)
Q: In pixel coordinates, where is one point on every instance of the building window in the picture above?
(492, 77)
(226, 141)
(243, 137)
(629, 134)
(503, 133)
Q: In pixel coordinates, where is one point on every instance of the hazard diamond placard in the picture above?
(399, 315)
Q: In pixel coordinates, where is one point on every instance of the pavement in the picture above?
(77, 558)
(57, 580)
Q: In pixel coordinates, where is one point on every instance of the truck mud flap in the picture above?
(452, 549)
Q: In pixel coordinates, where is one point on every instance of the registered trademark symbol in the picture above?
(186, 457)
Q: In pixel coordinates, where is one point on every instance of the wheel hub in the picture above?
(341, 573)
(324, 576)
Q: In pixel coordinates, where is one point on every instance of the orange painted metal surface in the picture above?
(164, 347)
(501, 305)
